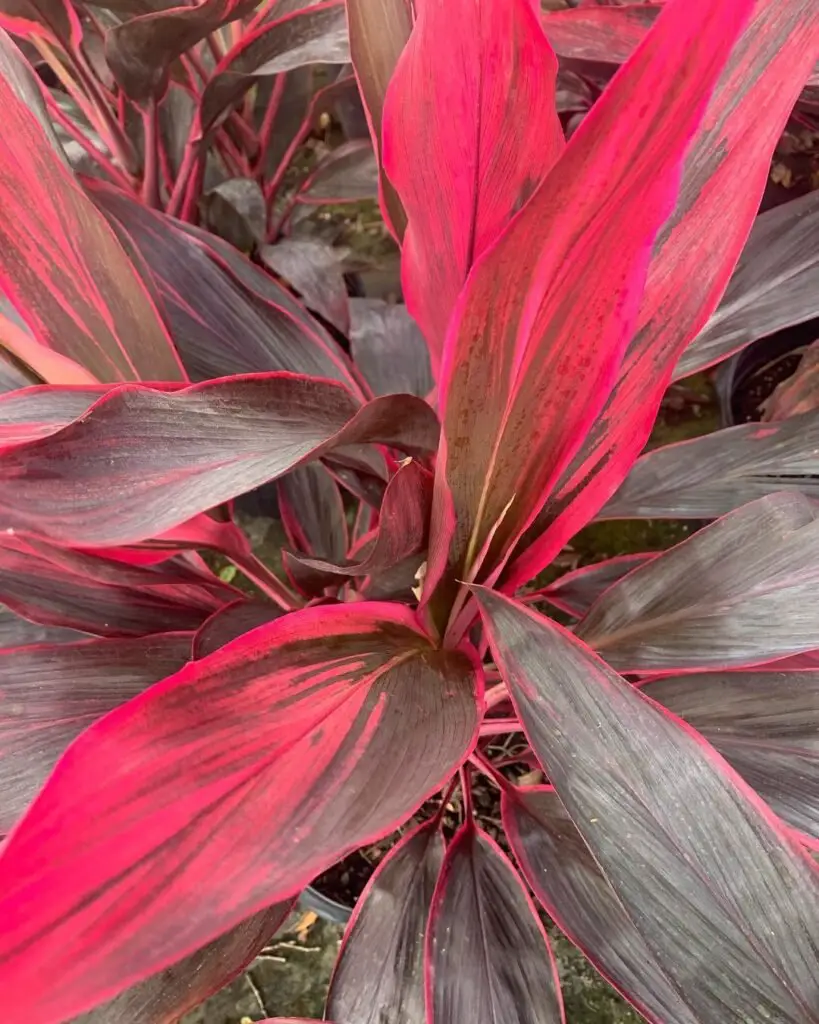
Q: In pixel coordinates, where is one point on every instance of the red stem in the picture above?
(488, 769)
(267, 581)
(500, 726)
(150, 174)
(113, 172)
(189, 161)
(466, 787)
(266, 131)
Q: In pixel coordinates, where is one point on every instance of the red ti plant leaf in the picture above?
(52, 692)
(141, 50)
(388, 348)
(300, 741)
(711, 475)
(312, 512)
(379, 30)
(577, 591)
(313, 35)
(313, 269)
(692, 259)
(95, 595)
(60, 263)
(230, 622)
(488, 957)
(165, 997)
(402, 525)
(723, 895)
(226, 316)
(594, 36)
(460, 188)
(54, 20)
(535, 343)
(765, 725)
(775, 285)
(141, 461)
(16, 631)
(388, 928)
(723, 598)
(567, 881)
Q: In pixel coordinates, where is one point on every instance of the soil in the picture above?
(344, 882)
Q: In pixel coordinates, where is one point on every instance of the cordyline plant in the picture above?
(179, 761)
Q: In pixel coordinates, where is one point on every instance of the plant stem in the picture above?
(114, 173)
(466, 787)
(500, 726)
(150, 173)
(266, 131)
(258, 573)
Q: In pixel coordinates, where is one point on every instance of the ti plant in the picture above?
(177, 760)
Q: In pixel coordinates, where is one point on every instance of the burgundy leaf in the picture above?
(736, 593)
(566, 879)
(488, 957)
(765, 725)
(14, 374)
(314, 35)
(141, 461)
(54, 20)
(692, 260)
(51, 693)
(379, 30)
(775, 285)
(460, 188)
(230, 622)
(164, 997)
(388, 348)
(796, 394)
(387, 929)
(16, 631)
(120, 602)
(39, 411)
(725, 897)
(140, 51)
(312, 512)
(313, 269)
(592, 36)
(235, 211)
(403, 523)
(299, 742)
(347, 174)
(711, 475)
(222, 325)
(540, 340)
(577, 591)
(60, 263)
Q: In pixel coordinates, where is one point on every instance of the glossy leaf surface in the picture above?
(765, 724)
(722, 894)
(389, 349)
(313, 35)
(567, 881)
(692, 260)
(735, 593)
(313, 269)
(61, 265)
(711, 475)
(403, 523)
(51, 693)
(141, 461)
(312, 512)
(388, 928)
(99, 596)
(164, 997)
(230, 622)
(460, 188)
(223, 325)
(534, 347)
(308, 737)
(488, 958)
(577, 591)
(775, 285)
(379, 30)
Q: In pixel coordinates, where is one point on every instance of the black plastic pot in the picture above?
(327, 909)
(747, 379)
